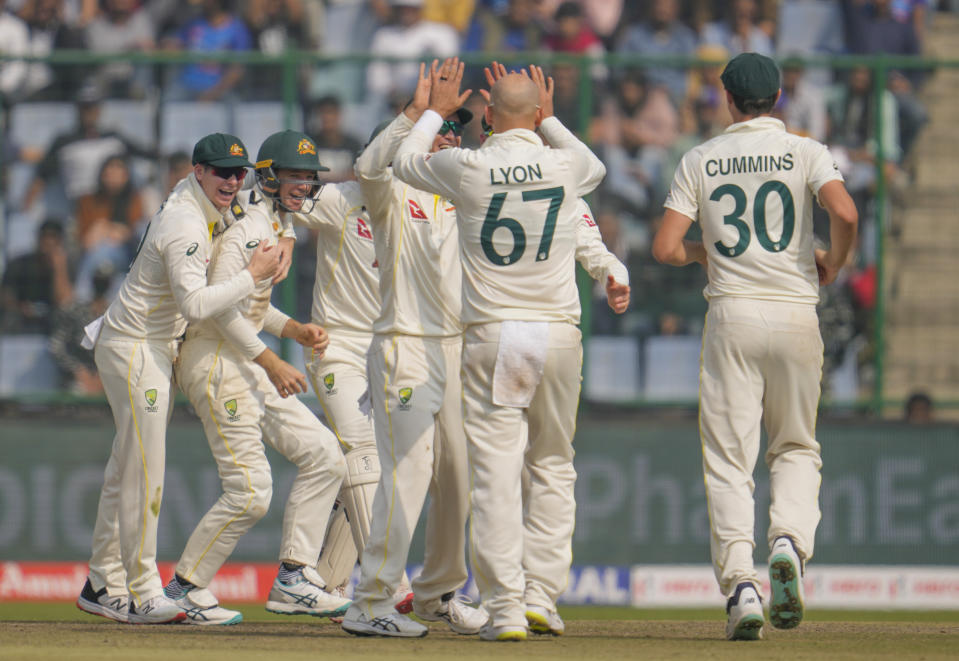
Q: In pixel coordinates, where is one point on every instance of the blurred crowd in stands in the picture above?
(87, 192)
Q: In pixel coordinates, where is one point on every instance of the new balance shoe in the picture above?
(461, 618)
(393, 625)
(785, 582)
(156, 610)
(543, 620)
(201, 606)
(302, 594)
(404, 601)
(744, 614)
(504, 634)
(98, 602)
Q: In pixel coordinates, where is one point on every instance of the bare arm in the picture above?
(670, 246)
(843, 226)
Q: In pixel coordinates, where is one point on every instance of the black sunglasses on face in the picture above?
(451, 125)
(226, 173)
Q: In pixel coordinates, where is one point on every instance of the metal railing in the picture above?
(293, 63)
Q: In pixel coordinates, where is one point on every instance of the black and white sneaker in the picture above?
(100, 603)
(392, 625)
(156, 610)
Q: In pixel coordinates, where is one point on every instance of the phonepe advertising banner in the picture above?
(889, 500)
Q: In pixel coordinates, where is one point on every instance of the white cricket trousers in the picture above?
(521, 549)
(762, 360)
(417, 418)
(241, 409)
(136, 376)
(340, 383)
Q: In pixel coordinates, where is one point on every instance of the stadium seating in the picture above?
(26, 365)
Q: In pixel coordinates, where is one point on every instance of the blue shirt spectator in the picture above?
(217, 30)
(662, 34)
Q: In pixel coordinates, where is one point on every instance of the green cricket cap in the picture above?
(293, 150)
(221, 149)
(751, 76)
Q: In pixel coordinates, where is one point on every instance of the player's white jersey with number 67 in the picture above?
(516, 207)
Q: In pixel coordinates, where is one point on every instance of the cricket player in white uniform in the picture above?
(135, 350)
(516, 208)
(245, 396)
(346, 303)
(543, 587)
(414, 376)
(752, 190)
(542, 590)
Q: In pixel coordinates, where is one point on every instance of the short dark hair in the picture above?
(51, 226)
(754, 106)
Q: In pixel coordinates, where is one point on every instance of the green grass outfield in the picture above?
(59, 631)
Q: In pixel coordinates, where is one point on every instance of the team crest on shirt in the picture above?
(231, 408)
(416, 211)
(192, 249)
(406, 394)
(363, 229)
(329, 382)
(151, 397)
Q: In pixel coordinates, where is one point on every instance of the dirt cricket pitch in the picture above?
(59, 632)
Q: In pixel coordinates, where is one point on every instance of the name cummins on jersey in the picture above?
(752, 191)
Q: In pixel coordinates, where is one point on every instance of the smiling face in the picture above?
(220, 184)
(448, 136)
(295, 187)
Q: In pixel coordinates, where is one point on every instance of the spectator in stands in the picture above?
(802, 105)
(739, 31)
(409, 36)
(78, 371)
(276, 26)
(109, 223)
(35, 284)
(705, 91)
(336, 149)
(516, 29)
(216, 30)
(871, 28)
(602, 16)
(122, 27)
(572, 34)
(74, 158)
(636, 129)
(48, 32)
(919, 408)
(662, 34)
(179, 166)
(14, 41)
(452, 12)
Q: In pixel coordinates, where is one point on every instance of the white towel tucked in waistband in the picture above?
(520, 357)
(91, 332)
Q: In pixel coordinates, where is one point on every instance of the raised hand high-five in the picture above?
(421, 95)
(445, 81)
(545, 85)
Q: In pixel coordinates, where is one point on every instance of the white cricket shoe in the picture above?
(305, 596)
(785, 582)
(100, 603)
(156, 610)
(455, 611)
(504, 634)
(203, 608)
(744, 612)
(544, 620)
(394, 625)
